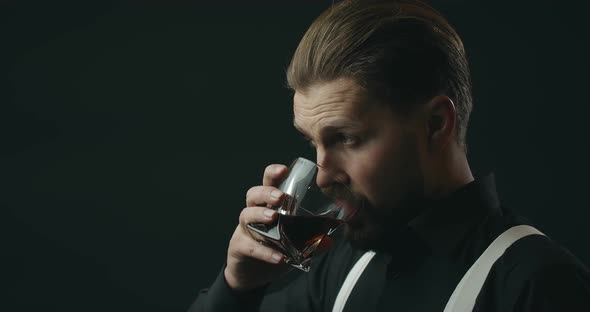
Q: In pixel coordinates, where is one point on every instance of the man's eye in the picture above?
(347, 139)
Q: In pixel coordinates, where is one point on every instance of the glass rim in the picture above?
(350, 199)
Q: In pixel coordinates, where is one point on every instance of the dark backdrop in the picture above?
(131, 132)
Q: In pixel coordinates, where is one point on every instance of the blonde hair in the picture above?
(402, 52)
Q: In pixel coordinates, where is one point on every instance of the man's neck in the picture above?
(452, 173)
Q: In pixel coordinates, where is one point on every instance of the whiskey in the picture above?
(297, 237)
(304, 232)
(297, 233)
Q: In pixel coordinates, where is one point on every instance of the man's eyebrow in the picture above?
(340, 126)
(333, 127)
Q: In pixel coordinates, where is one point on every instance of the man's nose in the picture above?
(330, 171)
(324, 179)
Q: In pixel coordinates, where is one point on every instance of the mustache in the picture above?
(350, 201)
(341, 192)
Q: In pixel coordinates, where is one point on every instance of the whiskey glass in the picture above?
(307, 214)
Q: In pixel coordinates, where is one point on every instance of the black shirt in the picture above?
(424, 264)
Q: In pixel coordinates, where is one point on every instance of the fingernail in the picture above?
(277, 257)
(278, 170)
(269, 213)
(275, 194)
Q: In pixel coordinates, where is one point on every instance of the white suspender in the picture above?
(351, 279)
(464, 296)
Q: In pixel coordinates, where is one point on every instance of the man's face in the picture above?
(366, 146)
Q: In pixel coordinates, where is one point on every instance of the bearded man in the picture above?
(382, 91)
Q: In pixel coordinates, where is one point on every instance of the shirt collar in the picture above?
(444, 222)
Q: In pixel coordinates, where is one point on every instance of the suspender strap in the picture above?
(351, 280)
(466, 292)
(464, 296)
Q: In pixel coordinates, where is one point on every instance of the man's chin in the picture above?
(363, 230)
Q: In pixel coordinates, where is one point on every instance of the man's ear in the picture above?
(441, 118)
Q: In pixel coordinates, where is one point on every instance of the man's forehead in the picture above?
(336, 92)
(329, 106)
(341, 97)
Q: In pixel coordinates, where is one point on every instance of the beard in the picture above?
(402, 188)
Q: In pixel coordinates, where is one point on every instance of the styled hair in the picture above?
(402, 52)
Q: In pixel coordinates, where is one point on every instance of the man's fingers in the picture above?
(259, 251)
(257, 215)
(263, 196)
(274, 174)
(243, 245)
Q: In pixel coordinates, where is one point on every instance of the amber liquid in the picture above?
(297, 237)
(304, 232)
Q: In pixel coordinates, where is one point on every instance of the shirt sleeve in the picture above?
(295, 291)
(220, 297)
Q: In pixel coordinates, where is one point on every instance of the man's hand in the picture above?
(251, 264)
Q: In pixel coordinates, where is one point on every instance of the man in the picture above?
(382, 91)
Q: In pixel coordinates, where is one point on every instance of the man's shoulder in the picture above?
(538, 271)
(532, 267)
(531, 253)
(534, 252)
(539, 252)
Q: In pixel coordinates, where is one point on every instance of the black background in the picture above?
(132, 130)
